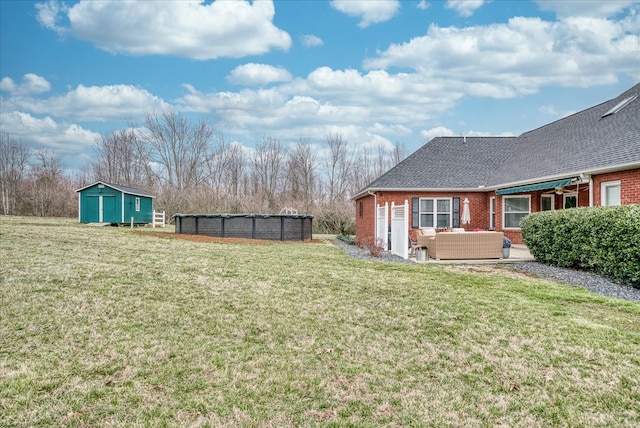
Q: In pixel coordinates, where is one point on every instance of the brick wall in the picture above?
(479, 203)
(629, 186)
(365, 218)
(365, 225)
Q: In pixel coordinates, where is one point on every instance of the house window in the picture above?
(361, 209)
(570, 200)
(137, 204)
(492, 212)
(546, 203)
(435, 212)
(515, 208)
(610, 193)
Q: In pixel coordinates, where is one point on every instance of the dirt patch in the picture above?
(205, 238)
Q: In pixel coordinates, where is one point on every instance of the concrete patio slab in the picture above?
(518, 253)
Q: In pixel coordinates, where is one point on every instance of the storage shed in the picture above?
(102, 202)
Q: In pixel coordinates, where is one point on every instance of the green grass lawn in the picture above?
(107, 327)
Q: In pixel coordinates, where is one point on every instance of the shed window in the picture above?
(515, 209)
(137, 204)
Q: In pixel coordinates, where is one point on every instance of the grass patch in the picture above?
(109, 327)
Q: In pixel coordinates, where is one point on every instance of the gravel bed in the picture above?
(596, 283)
(363, 253)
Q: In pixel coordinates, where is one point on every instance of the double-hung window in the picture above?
(435, 212)
(610, 193)
(515, 208)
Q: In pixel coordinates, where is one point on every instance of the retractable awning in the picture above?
(534, 187)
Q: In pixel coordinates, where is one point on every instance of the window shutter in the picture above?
(456, 213)
(415, 213)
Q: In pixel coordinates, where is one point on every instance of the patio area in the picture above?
(519, 253)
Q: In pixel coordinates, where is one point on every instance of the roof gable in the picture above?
(124, 189)
(583, 141)
(604, 136)
(448, 163)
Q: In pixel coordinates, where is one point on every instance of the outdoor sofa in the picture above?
(462, 245)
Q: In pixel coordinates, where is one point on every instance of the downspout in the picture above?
(375, 212)
(590, 191)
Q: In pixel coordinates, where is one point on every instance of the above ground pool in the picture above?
(277, 227)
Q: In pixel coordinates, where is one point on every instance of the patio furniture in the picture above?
(465, 246)
(423, 235)
(414, 245)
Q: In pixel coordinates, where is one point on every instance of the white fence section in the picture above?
(158, 218)
(400, 229)
(382, 214)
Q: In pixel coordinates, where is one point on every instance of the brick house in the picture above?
(587, 159)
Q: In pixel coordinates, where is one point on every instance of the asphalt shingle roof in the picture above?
(124, 189)
(585, 141)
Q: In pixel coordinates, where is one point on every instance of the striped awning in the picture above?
(534, 187)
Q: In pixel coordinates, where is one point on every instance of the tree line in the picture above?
(190, 168)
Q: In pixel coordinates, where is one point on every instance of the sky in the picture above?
(376, 72)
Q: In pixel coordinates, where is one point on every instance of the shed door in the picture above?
(89, 210)
(108, 210)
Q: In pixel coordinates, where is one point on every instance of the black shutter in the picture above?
(456, 212)
(415, 213)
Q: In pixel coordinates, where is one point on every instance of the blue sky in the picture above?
(377, 72)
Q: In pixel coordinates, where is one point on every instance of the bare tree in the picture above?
(268, 162)
(399, 153)
(119, 159)
(301, 175)
(338, 168)
(51, 192)
(178, 148)
(235, 176)
(14, 163)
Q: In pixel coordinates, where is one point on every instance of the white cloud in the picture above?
(46, 133)
(364, 108)
(99, 103)
(188, 28)
(309, 40)
(258, 74)
(49, 13)
(438, 131)
(369, 11)
(31, 84)
(423, 5)
(596, 9)
(464, 7)
(504, 60)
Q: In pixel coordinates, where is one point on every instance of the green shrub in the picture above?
(603, 240)
(346, 239)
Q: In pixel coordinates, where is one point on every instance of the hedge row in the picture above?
(603, 240)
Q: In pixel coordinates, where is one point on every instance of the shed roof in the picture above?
(124, 189)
